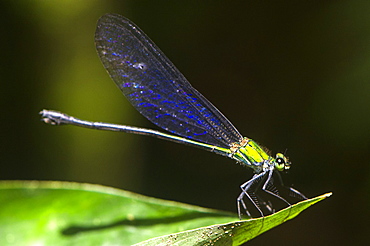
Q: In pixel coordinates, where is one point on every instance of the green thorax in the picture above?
(249, 153)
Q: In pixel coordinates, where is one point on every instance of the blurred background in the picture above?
(290, 75)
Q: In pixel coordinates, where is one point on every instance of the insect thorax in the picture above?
(248, 152)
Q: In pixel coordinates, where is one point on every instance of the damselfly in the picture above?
(155, 87)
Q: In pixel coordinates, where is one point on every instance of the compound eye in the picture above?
(280, 163)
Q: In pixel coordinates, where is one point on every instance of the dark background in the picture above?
(290, 74)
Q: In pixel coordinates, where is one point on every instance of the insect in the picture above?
(155, 87)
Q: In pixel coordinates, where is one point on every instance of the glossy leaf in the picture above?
(62, 213)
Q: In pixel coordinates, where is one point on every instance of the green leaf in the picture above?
(62, 213)
(234, 233)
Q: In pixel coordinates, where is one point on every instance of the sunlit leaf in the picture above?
(62, 213)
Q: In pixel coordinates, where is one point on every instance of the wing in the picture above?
(155, 87)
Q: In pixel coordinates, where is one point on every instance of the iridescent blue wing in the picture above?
(155, 87)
